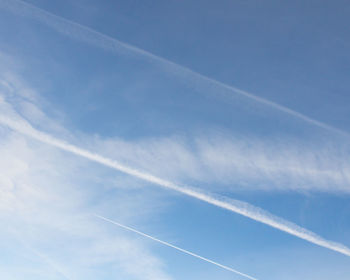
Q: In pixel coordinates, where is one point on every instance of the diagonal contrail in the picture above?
(177, 248)
(53, 265)
(232, 205)
(190, 77)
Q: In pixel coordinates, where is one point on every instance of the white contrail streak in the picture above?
(232, 205)
(190, 77)
(177, 248)
(54, 266)
(50, 263)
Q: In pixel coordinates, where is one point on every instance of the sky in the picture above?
(174, 140)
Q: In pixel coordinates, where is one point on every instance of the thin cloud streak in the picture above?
(100, 40)
(177, 248)
(54, 266)
(237, 163)
(232, 205)
(49, 262)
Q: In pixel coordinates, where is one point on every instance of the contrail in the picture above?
(50, 263)
(232, 205)
(42, 256)
(193, 79)
(177, 248)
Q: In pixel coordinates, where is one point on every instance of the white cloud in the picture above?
(232, 205)
(237, 163)
(36, 180)
(201, 83)
(47, 198)
(43, 199)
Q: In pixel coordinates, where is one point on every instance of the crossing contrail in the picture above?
(232, 205)
(177, 248)
(194, 79)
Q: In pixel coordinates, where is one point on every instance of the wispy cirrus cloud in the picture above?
(43, 198)
(46, 198)
(22, 126)
(237, 163)
(242, 161)
(194, 79)
(203, 159)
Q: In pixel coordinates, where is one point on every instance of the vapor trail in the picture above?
(190, 77)
(177, 248)
(232, 205)
(55, 267)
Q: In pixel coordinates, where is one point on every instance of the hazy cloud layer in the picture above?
(238, 163)
(10, 118)
(35, 178)
(193, 79)
(46, 203)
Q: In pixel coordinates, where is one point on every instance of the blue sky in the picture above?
(135, 110)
